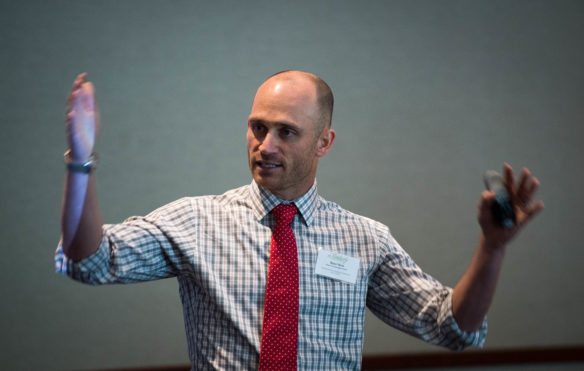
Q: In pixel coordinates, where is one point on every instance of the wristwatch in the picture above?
(84, 167)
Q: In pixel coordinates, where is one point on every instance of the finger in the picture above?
(508, 174)
(79, 79)
(486, 198)
(486, 205)
(77, 100)
(509, 179)
(71, 99)
(69, 117)
(524, 181)
(533, 211)
(87, 92)
(531, 189)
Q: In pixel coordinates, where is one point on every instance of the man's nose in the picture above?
(269, 144)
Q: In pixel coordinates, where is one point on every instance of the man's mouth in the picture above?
(268, 164)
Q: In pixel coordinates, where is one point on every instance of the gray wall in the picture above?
(429, 94)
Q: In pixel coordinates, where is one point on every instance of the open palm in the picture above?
(82, 120)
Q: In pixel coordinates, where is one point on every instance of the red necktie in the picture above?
(280, 329)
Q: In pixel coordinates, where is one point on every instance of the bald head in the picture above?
(323, 93)
(288, 132)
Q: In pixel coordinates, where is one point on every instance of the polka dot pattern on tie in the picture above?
(280, 329)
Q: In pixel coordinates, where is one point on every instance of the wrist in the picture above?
(83, 167)
(492, 247)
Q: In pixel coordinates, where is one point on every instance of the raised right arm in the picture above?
(81, 219)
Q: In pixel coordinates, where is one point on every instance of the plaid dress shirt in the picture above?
(218, 248)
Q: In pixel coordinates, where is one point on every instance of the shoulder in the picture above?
(370, 238)
(333, 213)
(372, 235)
(208, 203)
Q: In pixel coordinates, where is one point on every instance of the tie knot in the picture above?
(284, 213)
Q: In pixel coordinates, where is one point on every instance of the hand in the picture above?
(525, 208)
(82, 120)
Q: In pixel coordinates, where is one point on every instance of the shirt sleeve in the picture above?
(139, 249)
(408, 299)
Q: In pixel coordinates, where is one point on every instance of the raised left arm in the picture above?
(474, 292)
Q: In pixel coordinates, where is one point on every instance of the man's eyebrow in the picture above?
(280, 124)
(256, 121)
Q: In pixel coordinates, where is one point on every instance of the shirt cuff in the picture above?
(85, 269)
(457, 338)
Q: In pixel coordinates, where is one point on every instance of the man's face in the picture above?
(283, 144)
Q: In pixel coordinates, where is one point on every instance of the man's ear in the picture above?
(325, 142)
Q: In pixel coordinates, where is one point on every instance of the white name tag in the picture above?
(337, 266)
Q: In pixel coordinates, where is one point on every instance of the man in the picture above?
(226, 250)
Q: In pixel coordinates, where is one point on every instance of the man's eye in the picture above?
(257, 128)
(287, 132)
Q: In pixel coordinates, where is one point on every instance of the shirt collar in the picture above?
(263, 201)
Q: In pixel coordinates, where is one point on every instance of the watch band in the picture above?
(84, 167)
